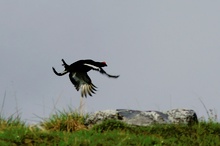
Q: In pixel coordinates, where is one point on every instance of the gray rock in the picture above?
(100, 116)
(185, 116)
(144, 118)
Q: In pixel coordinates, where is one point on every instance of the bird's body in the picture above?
(79, 77)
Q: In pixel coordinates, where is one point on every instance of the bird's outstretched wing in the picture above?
(66, 66)
(101, 70)
(59, 74)
(104, 72)
(82, 82)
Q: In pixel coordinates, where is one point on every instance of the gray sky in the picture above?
(167, 54)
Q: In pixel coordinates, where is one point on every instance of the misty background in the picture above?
(167, 54)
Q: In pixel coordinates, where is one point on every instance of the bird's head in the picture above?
(103, 64)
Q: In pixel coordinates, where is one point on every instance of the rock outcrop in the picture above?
(144, 118)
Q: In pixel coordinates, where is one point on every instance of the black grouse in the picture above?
(79, 77)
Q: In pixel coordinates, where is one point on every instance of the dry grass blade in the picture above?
(3, 103)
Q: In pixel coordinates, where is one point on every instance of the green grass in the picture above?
(67, 128)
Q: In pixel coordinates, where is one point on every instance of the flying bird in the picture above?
(79, 77)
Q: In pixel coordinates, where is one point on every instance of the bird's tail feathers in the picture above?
(88, 89)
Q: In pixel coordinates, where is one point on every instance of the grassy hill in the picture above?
(67, 128)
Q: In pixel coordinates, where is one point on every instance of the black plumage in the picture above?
(79, 77)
